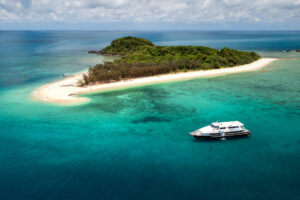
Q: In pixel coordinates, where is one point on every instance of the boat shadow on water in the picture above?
(206, 140)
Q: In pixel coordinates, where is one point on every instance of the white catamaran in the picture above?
(222, 130)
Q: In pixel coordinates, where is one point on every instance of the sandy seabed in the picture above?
(65, 91)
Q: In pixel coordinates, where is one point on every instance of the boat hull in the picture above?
(225, 135)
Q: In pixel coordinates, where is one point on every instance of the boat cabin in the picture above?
(225, 126)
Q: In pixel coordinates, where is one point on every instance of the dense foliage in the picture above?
(142, 59)
(125, 46)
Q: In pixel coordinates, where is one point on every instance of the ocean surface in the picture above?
(134, 143)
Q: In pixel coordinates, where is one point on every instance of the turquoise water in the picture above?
(134, 143)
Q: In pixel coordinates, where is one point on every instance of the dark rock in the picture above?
(297, 50)
(93, 52)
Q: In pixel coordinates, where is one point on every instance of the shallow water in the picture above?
(134, 143)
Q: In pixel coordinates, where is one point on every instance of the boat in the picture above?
(219, 130)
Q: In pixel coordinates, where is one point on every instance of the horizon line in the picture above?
(153, 30)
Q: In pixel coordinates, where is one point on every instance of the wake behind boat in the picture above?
(222, 130)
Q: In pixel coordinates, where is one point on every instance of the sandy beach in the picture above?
(65, 91)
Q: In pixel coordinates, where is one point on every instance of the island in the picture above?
(139, 57)
(139, 62)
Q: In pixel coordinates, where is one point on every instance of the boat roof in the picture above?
(227, 124)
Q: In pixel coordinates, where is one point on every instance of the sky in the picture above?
(150, 14)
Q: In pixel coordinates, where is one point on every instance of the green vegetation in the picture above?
(140, 58)
(126, 45)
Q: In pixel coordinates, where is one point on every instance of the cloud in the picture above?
(172, 11)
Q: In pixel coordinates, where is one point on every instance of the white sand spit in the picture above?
(64, 91)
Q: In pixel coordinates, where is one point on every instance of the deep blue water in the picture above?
(134, 143)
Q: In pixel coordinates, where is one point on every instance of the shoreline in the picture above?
(65, 91)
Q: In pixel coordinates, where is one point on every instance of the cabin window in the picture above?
(222, 128)
(233, 127)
